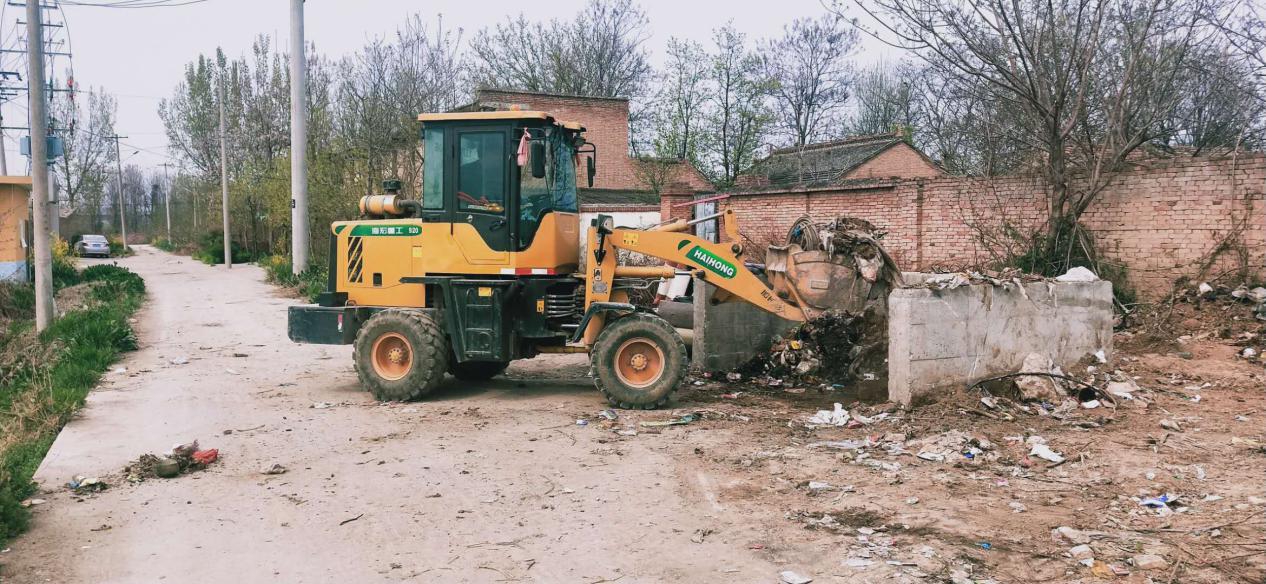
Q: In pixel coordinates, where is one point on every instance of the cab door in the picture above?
(482, 167)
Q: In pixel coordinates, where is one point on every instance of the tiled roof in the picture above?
(820, 164)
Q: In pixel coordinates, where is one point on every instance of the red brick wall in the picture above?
(606, 121)
(898, 161)
(1161, 222)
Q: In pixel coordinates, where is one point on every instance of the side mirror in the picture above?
(537, 154)
(591, 168)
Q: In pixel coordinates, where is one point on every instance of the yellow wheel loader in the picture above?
(486, 268)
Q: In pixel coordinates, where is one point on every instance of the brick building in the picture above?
(15, 216)
(839, 161)
(621, 182)
(1162, 220)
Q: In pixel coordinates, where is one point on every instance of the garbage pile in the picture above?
(181, 459)
(837, 347)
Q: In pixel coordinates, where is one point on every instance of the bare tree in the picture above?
(739, 114)
(810, 69)
(684, 92)
(85, 130)
(885, 101)
(600, 52)
(1089, 80)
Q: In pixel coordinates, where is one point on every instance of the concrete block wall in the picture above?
(729, 334)
(940, 339)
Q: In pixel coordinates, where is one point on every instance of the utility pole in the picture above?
(298, 142)
(118, 160)
(224, 176)
(39, 165)
(167, 198)
(4, 157)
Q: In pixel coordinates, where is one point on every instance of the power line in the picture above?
(134, 3)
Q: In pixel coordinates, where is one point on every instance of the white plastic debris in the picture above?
(1100, 356)
(1044, 452)
(838, 417)
(1205, 288)
(1248, 353)
(1081, 552)
(1077, 274)
(321, 405)
(1074, 536)
(1017, 507)
(789, 577)
(1090, 405)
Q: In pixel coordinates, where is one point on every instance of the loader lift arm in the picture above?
(720, 264)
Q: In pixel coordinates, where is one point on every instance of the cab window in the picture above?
(433, 169)
(481, 172)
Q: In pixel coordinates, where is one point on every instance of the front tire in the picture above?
(638, 361)
(400, 355)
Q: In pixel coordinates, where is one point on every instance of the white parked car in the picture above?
(93, 245)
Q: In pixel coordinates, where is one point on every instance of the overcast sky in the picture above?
(139, 55)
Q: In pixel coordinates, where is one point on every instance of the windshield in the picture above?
(94, 239)
(556, 191)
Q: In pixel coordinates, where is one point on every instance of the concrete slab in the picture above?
(942, 338)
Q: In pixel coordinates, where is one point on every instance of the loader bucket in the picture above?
(819, 281)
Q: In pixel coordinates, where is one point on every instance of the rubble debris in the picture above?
(1171, 425)
(166, 467)
(1081, 552)
(1073, 536)
(1149, 562)
(1037, 388)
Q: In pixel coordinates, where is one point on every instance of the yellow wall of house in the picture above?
(14, 209)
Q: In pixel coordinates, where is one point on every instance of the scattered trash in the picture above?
(1100, 356)
(1205, 289)
(582, 422)
(33, 502)
(275, 469)
(837, 417)
(181, 360)
(1248, 353)
(1160, 503)
(700, 534)
(346, 521)
(1171, 425)
(206, 457)
(679, 421)
(1090, 405)
(841, 444)
(626, 432)
(321, 405)
(789, 577)
(912, 501)
(734, 395)
(120, 370)
(166, 468)
(610, 415)
(1041, 450)
(984, 545)
(1017, 507)
(1077, 274)
(733, 377)
(81, 484)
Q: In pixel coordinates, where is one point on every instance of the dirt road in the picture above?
(478, 484)
(498, 482)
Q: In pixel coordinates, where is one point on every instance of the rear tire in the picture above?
(400, 355)
(477, 370)
(638, 361)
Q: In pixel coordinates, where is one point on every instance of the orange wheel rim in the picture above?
(392, 356)
(639, 362)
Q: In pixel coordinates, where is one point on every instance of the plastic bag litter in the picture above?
(1077, 274)
(838, 417)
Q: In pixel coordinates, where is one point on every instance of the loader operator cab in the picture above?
(500, 172)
